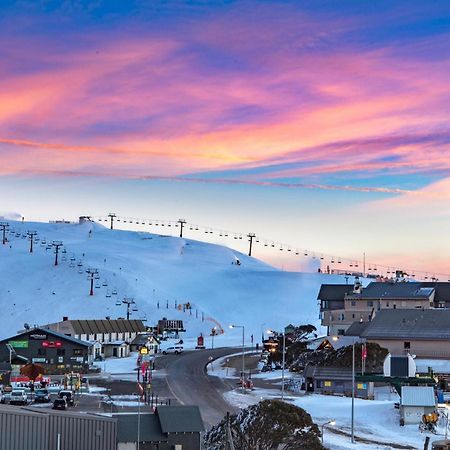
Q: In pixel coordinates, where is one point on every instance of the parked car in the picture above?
(67, 396)
(174, 349)
(41, 396)
(95, 369)
(60, 403)
(18, 398)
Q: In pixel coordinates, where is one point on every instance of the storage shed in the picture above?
(415, 402)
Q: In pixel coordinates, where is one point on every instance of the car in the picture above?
(67, 396)
(41, 396)
(176, 349)
(60, 403)
(266, 368)
(18, 398)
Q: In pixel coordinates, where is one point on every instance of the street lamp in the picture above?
(330, 422)
(243, 357)
(283, 362)
(336, 338)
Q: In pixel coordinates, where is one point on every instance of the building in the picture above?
(415, 402)
(147, 340)
(170, 427)
(41, 429)
(113, 335)
(342, 305)
(334, 381)
(56, 352)
(423, 333)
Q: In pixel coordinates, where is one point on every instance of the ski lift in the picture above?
(105, 284)
(44, 241)
(289, 250)
(80, 271)
(356, 264)
(114, 292)
(266, 244)
(191, 228)
(321, 257)
(169, 225)
(281, 248)
(226, 234)
(296, 252)
(108, 294)
(142, 223)
(332, 261)
(144, 318)
(196, 228)
(118, 303)
(339, 261)
(118, 220)
(97, 285)
(71, 264)
(240, 237)
(137, 223)
(80, 264)
(134, 308)
(64, 258)
(220, 234)
(97, 276)
(18, 235)
(235, 237)
(306, 254)
(162, 224)
(64, 251)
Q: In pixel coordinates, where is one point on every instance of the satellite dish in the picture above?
(26, 326)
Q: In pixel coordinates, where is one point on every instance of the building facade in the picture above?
(56, 352)
(342, 305)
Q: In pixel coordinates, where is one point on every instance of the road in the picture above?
(188, 383)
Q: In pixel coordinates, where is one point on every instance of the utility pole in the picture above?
(251, 236)
(4, 226)
(128, 301)
(31, 235)
(91, 277)
(182, 222)
(111, 216)
(57, 245)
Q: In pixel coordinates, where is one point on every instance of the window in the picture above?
(77, 352)
(353, 303)
(407, 345)
(342, 316)
(327, 383)
(353, 316)
(60, 351)
(340, 332)
(42, 351)
(395, 306)
(369, 302)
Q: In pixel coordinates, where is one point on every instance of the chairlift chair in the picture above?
(118, 303)
(97, 285)
(114, 292)
(134, 308)
(105, 284)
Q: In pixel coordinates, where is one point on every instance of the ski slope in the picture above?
(152, 269)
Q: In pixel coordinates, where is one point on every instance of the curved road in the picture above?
(188, 382)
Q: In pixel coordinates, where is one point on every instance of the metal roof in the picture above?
(334, 291)
(107, 326)
(149, 429)
(356, 328)
(400, 290)
(180, 419)
(418, 396)
(328, 373)
(426, 324)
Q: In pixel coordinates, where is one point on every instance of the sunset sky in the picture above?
(321, 124)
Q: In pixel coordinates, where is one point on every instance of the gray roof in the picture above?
(426, 324)
(442, 290)
(400, 290)
(105, 326)
(180, 419)
(52, 333)
(418, 396)
(150, 428)
(356, 328)
(334, 291)
(328, 373)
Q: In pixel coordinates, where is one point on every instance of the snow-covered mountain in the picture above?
(152, 269)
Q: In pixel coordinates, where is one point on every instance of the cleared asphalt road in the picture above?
(188, 382)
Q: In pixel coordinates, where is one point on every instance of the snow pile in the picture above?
(159, 272)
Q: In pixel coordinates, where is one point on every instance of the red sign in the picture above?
(200, 341)
(52, 344)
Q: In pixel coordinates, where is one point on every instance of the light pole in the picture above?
(330, 422)
(243, 357)
(336, 338)
(283, 359)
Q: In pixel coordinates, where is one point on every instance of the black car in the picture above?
(60, 403)
(67, 396)
(42, 396)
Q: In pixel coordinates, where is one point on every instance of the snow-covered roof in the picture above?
(418, 396)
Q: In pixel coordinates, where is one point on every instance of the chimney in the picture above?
(65, 318)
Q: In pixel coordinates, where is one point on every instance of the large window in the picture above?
(77, 352)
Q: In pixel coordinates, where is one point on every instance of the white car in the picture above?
(18, 398)
(175, 349)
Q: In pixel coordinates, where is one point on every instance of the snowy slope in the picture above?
(151, 269)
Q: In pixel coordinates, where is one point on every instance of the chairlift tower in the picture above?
(57, 245)
(128, 301)
(91, 277)
(251, 236)
(112, 216)
(4, 226)
(182, 222)
(31, 235)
